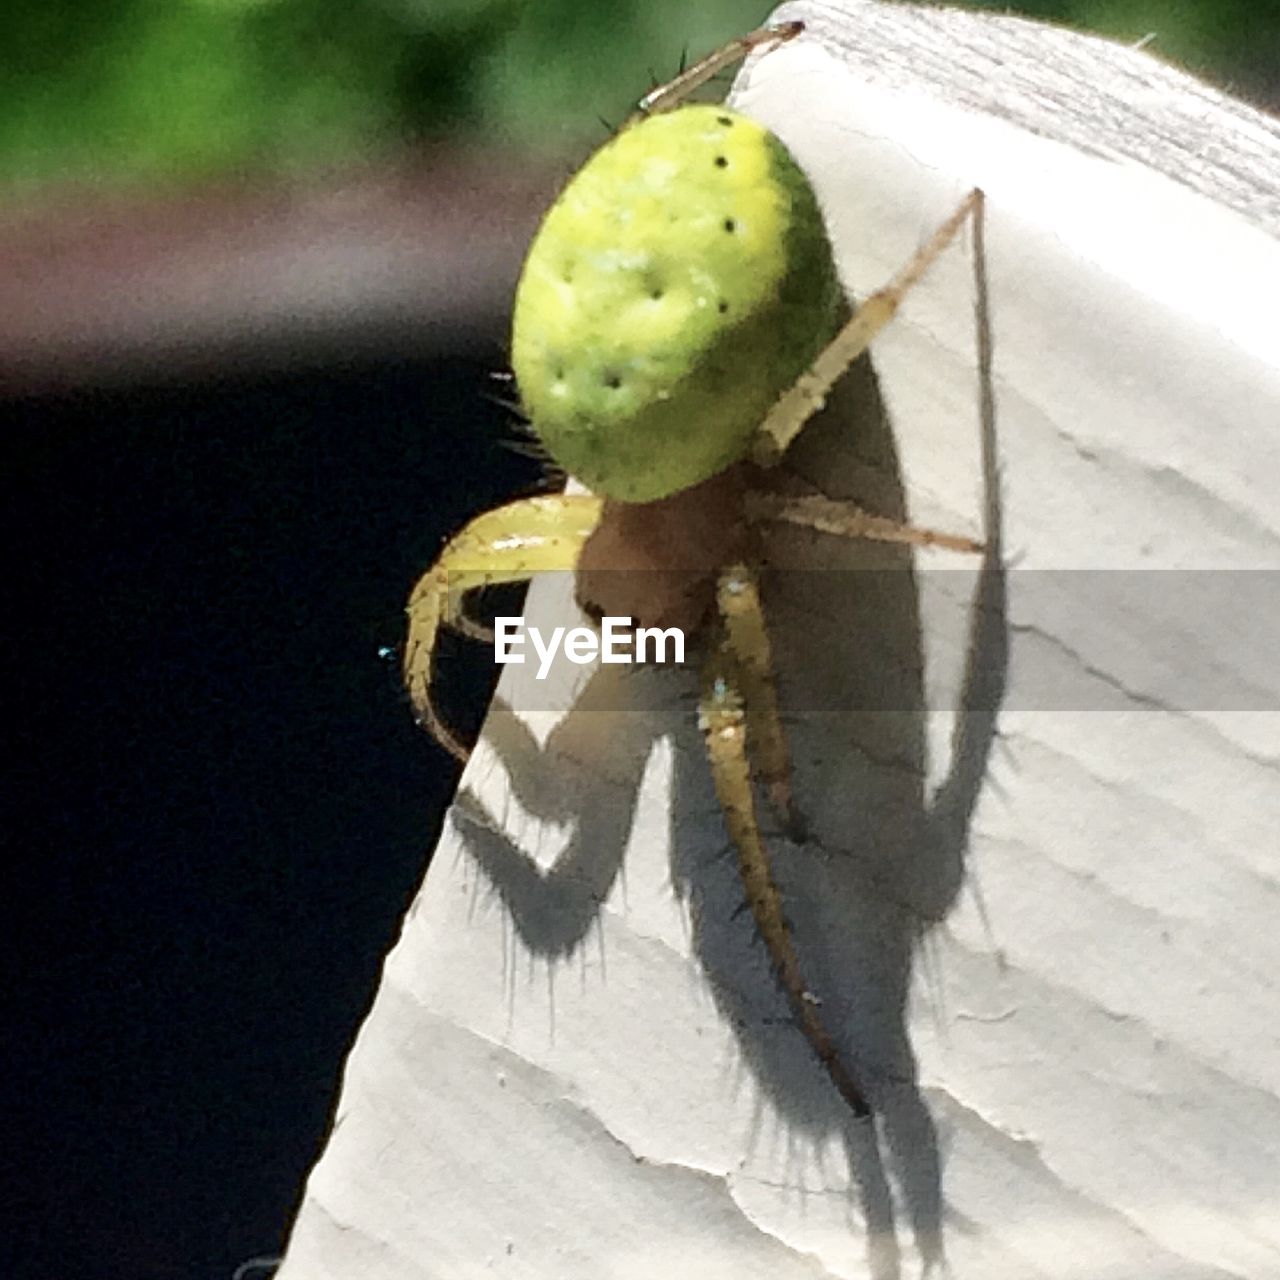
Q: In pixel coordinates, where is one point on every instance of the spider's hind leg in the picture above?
(508, 544)
(726, 716)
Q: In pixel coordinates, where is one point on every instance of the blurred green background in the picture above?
(171, 90)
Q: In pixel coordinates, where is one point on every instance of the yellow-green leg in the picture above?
(509, 544)
(809, 392)
(725, 726)
(669, 95)
(848, 520)
(747, 636)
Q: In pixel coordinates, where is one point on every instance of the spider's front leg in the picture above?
(746, 638)
(508, 544)
(809, 392)
(807, 395)
(668, 96)
(738, 708)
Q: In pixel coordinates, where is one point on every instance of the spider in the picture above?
(677, 323)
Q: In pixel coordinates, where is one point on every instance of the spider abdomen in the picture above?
(679, 284)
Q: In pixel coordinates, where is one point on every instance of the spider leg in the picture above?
(724, 725)
(848, 520)
(809, 392)
(464, 624)
(747, 636)
(509, 544)
(666, 96)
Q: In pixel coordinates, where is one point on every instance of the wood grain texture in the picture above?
(1040, 894)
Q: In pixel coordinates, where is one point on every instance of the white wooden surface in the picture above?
(1049, 940)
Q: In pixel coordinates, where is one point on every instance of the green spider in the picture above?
(678, 321)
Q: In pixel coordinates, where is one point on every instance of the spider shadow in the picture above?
(882, 860)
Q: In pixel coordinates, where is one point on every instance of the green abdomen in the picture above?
(676, 288)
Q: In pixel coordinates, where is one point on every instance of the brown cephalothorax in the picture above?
(656, 562)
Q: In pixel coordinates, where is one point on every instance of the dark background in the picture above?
(218, 804)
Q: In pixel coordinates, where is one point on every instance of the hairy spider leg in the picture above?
(665, 97)
(809, 392)
(725, 727)
(739, 707)
(464, 624)
(848, 520)
(509, 544)
(747, 635)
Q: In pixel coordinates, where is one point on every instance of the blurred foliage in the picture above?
(167, 90)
